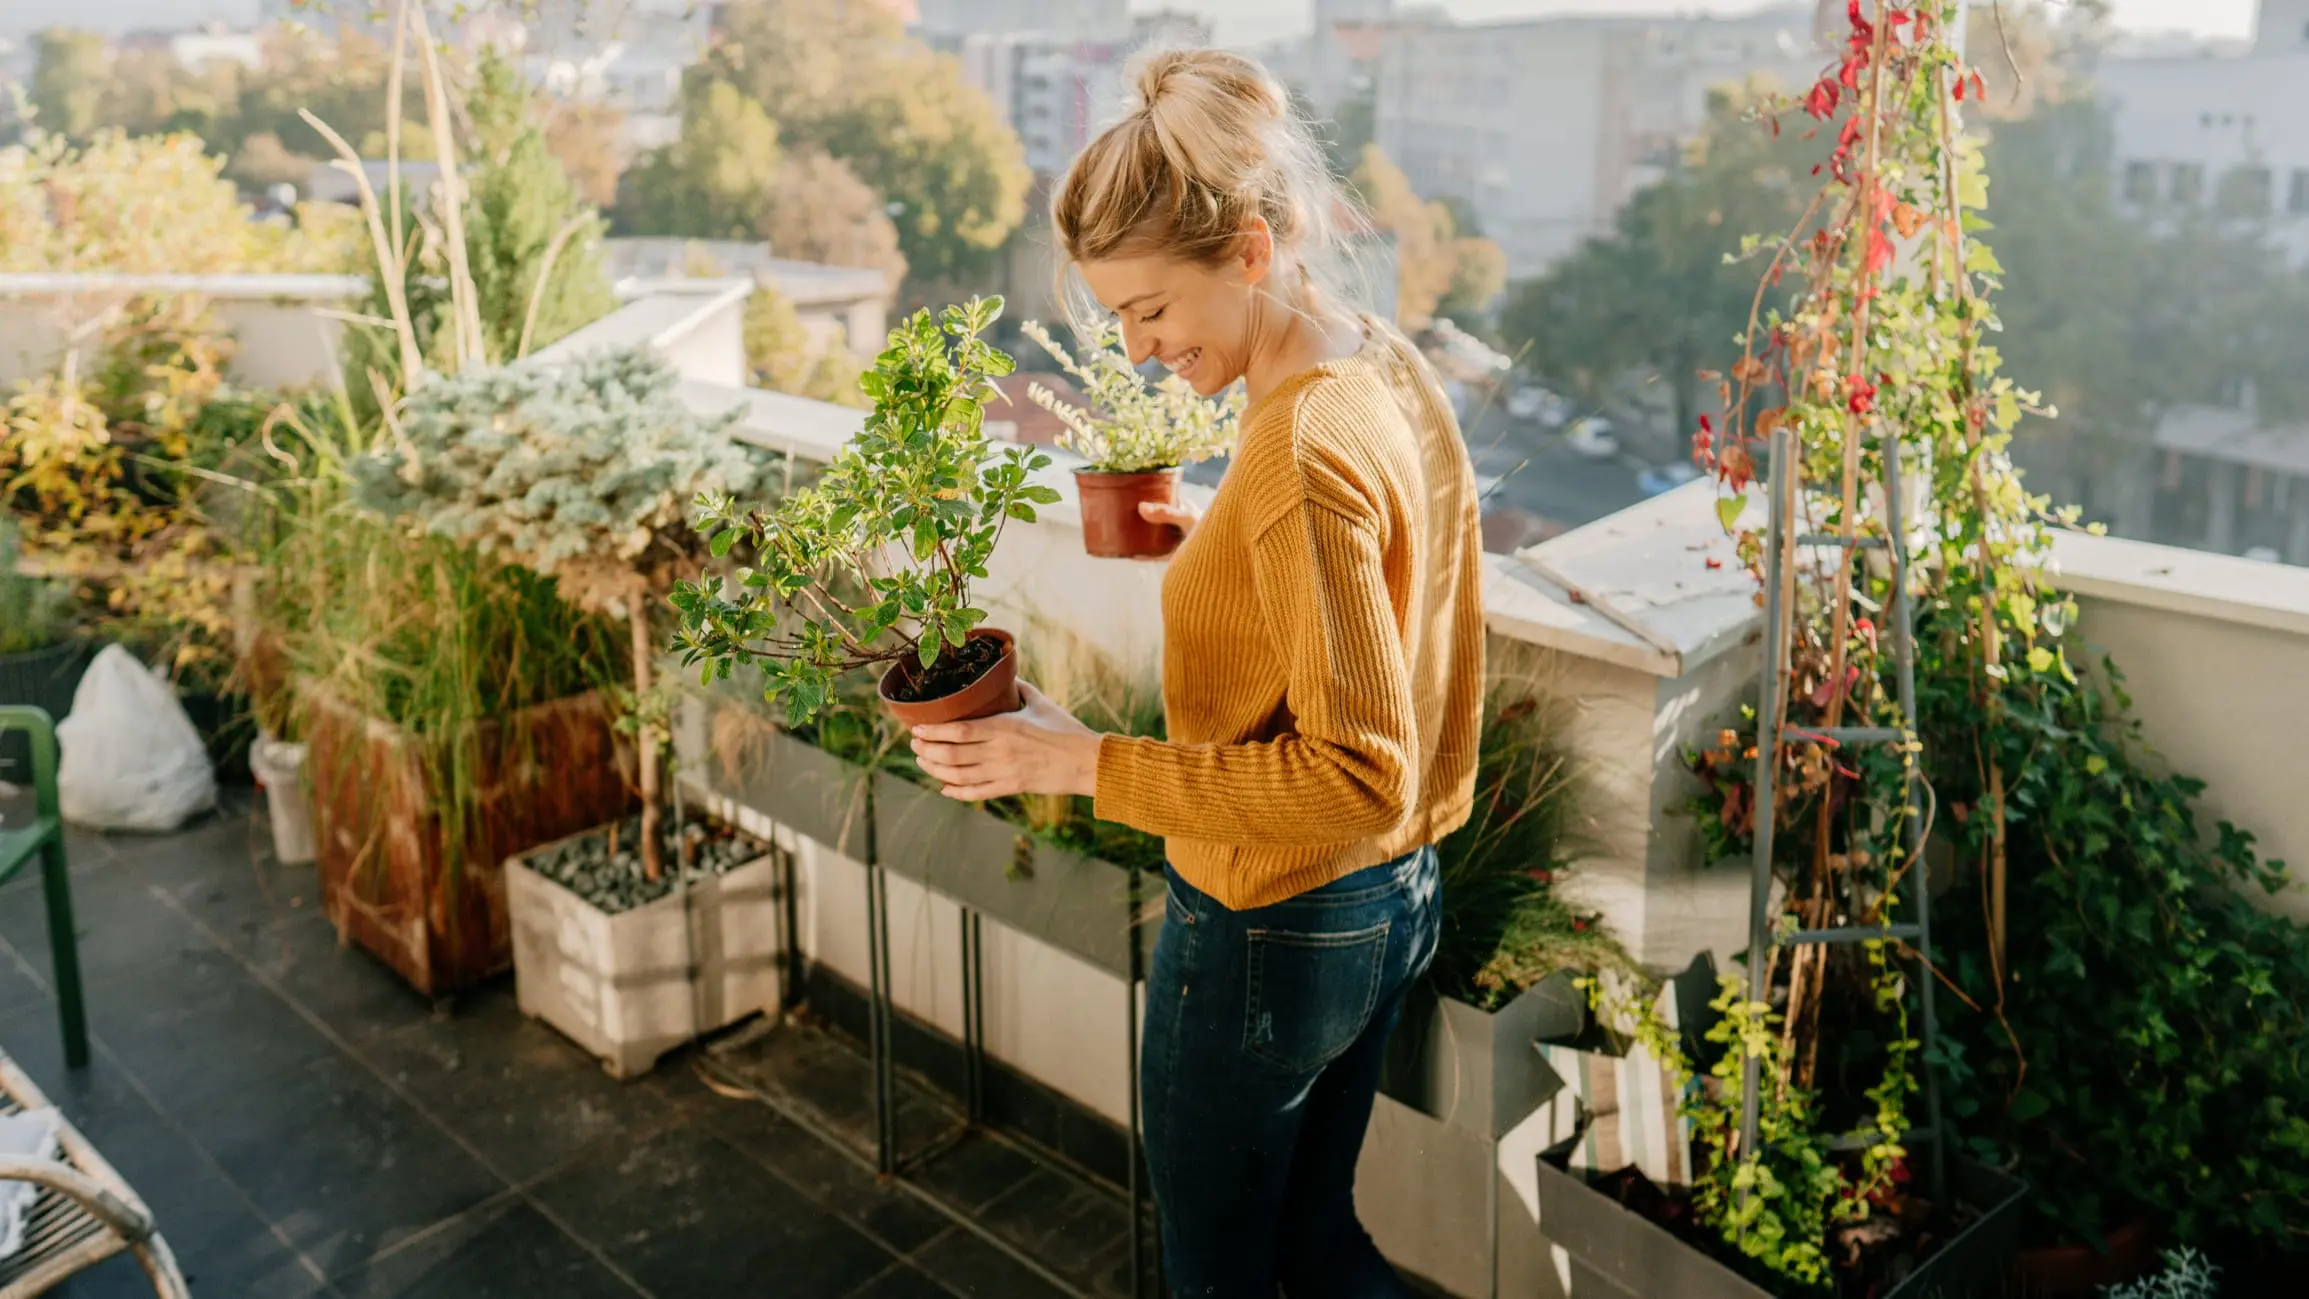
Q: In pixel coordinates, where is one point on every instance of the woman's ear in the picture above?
(1258, 251)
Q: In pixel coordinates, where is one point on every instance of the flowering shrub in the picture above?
(1133, 426)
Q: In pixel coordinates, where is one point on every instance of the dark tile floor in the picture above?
(302, 1124)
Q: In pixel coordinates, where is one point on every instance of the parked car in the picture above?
(1666, 478)
(1593, 438)
(1533, 402)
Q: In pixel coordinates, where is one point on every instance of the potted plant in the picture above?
(580, 472)
(40, 660)
(873, 564)
(1137, 437)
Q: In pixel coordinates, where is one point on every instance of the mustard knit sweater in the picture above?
(1323, 642)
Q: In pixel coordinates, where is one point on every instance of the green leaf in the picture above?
(722, 541)
(2028, 1105)
(1728, 510)
(2040, 659)
(1040, 495)
(1979, 260)
(927, 650)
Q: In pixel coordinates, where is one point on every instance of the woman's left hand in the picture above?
(1040, 749)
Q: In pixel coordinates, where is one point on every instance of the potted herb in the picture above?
(873, 564)
(40, 659)
(1137, 437)
(580, 472)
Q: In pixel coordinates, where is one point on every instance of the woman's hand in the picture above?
(1040, 749)
(1183, 515)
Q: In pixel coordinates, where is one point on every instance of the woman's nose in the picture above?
(1137, 343)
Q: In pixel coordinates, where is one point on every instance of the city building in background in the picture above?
(2218, 130)
(1546, 128)
(946, 24)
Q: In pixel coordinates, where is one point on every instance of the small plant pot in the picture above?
(1111, 525)
(631, 985)
(2081, 1271)
(993, 693)
(279, 767)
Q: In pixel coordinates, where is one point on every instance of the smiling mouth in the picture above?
(1185, 361)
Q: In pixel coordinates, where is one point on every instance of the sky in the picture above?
(1244, 22)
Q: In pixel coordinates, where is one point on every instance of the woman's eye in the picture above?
(1152, 316)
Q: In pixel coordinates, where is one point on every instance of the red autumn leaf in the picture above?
(1736, 467)
(1714, 563)
(1821, 103)
(1979, 88)
(1860, 395)
(1906, 219)
(1898, 17)
(1960, 90)
(1850, 76)
(1879, 250)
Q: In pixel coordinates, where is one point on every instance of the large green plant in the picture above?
(874, 563)
(580, 472)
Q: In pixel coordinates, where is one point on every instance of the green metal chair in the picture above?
(44, 839)
(84, 1211)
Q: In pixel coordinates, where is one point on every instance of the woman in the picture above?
(1322, 678)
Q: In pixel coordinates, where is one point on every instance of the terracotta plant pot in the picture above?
(995, 692)
(2079, 1271)
(1111, 526)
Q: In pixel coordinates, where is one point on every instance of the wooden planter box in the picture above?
(1475, 1068)
(1629, 1254)
(391, 882)
(630, 987)
(1078, 904)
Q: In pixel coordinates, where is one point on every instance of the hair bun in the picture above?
(1211, 77)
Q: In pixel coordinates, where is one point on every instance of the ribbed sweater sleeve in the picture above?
(1347, 771)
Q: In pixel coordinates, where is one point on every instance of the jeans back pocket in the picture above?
(1311, 995)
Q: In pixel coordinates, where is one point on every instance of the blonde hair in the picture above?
(1211, 143)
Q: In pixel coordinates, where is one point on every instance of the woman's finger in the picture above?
(949, 755)
(949, 732)
(978, 793)
(1159, 512)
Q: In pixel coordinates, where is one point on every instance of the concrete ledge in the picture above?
(307, 288)
(2200, 584)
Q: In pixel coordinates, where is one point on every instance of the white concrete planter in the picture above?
(632, 986)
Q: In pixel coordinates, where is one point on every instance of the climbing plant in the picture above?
(2092, 914)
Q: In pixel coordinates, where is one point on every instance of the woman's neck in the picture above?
(1302, 340)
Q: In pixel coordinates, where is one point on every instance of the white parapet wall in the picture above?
(2214, 651)
(285, 329)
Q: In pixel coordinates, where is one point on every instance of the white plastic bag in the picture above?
(132, 760)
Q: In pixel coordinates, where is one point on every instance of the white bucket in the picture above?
(279, 767)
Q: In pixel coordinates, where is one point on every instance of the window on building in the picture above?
(2298, 200)
(2188, 183)
(2245, 192)
(2140, 183)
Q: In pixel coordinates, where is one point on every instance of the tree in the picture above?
(1657, 292)
(782, 356)
(263, 161)
(69, 71)
(955, 177)
(899, 115)
(715, 182)
(821, 212)
(526, 223)
(589, 139)
(1433, 261)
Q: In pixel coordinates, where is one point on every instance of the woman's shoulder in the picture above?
(1329, 437)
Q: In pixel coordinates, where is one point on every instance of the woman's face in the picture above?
(1198, 320)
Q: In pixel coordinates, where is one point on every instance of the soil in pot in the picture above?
(1869, 1258)
(1112, 527)
(604, 866)
(978, 680)
(2081, 1271)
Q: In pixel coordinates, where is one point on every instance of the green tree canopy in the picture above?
(716, 181)
(69, 69)
(526, 222)
(897, 114)
(1435, 263)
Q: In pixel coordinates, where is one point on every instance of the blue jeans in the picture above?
(1265, 1031)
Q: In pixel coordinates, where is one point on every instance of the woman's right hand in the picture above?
(1183, 515)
